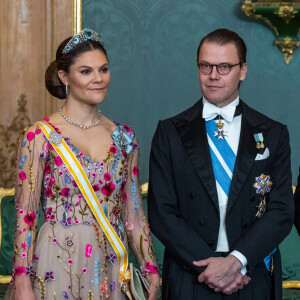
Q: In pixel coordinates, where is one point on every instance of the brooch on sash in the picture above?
(123, 140)
(259, 139)
(55, 138)
(220, 133)
(263, 186)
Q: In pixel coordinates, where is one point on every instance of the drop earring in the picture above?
(67, 90)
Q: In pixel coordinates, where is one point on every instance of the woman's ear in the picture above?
(63, 76)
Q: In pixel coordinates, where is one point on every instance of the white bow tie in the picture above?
(211, 111)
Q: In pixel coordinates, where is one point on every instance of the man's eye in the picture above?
(205, 66)
(85, 72)
(224, 66)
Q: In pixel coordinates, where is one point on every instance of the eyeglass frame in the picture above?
(217, 65)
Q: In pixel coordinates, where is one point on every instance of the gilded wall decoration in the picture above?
(8, 143)
(283, 17)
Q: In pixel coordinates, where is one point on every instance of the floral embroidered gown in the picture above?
(70, 257)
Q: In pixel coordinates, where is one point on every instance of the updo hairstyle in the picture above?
(63, 62)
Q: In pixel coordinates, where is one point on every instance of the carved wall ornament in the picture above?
(283, 17)
(287, 12)
(8, 143)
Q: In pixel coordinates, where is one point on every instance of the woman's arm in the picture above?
(30, 165)
(137, 227)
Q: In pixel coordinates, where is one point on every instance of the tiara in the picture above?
(82, 36)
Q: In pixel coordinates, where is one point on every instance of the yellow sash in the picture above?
(71, 162)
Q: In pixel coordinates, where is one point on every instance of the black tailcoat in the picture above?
(184, 210)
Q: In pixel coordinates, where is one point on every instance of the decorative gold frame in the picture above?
(77, 13)
(282, 17)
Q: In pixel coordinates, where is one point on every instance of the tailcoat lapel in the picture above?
(245, 157)
(192, 133)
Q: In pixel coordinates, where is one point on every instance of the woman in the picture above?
(71, 257)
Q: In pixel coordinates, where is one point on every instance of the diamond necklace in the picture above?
(81, 126)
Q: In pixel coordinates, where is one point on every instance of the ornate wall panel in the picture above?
(30, 31)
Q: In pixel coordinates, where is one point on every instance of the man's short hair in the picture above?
(223, 37)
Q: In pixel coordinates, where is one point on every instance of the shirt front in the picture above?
(232, 136)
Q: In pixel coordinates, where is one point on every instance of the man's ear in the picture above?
(63, 76)
(243, 71)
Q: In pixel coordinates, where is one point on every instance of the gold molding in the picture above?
(5, 279)
(77, 12)
(287, 47)
(3, 193)
(145, 188)
(286, 12)
(291, 284)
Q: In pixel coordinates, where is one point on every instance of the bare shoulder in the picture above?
(107, 124)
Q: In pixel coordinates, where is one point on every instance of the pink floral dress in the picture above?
(70, 257)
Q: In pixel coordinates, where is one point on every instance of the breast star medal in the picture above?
(259, 139)
(220, 133)
(263, 186)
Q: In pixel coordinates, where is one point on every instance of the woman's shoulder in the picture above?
(124, 137)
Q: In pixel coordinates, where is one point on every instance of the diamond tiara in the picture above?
(82, 36)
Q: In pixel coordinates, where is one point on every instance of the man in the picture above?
(297, 205)
(220, 196)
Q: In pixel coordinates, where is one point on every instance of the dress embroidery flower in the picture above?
(113, 286)
(38, 131)
(68, 205)
(35, 257)
(88, 250)
(22, 175)
(67, 222)
(135, 171)
(65, 192)
(49, 276)
(30, 136)
(48, 192)
(96, 187)
(108, 189)
(111, 257)
(150, 268)
(29, 218)
(19, 270)
(54, 241)
(129, 226)
(58, 161)
(29, 271)
(113, 150)
(107, 176)
(84, 270)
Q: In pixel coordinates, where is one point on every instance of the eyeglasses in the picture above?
(222, 69)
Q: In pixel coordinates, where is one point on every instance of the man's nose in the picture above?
(214, 73)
